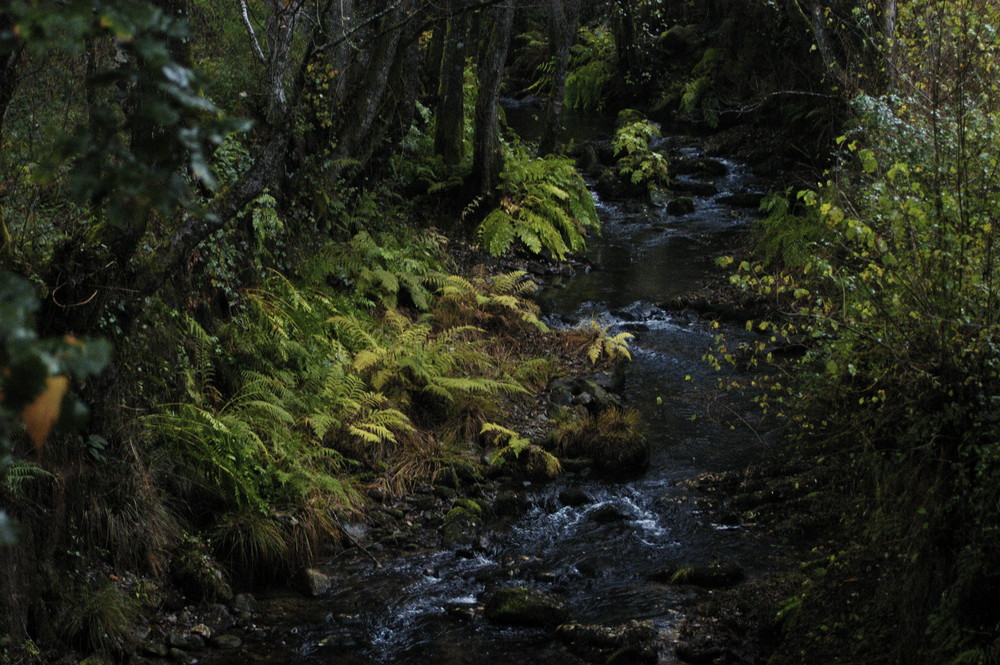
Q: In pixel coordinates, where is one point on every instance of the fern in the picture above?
(545, 206)
(510, 444)
(591, 68)
(382, 271)
(499, 301)
(593, 341)
(18, 472)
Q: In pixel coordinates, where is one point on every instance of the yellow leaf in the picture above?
(42, 414)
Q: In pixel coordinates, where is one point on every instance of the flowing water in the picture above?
(419, 608)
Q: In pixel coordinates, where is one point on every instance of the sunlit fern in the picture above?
(488, 301)
(592, 340)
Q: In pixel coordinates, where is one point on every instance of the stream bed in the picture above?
(422, 607)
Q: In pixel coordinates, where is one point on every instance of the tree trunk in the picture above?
(9, 62)
(564, 16)
(449, 127)
(624, 33)
(487, 162)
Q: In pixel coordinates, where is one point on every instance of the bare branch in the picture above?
(254, 44)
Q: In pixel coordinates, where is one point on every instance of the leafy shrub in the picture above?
(635, 160)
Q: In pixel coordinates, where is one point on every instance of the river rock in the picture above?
(181, 656)
(315, 582)
(715, 576)
(682, 205)
(698, 652)
(694, 188)
(574, 496)
(245, 603)
(742, 199)
(202, 631)
(698, 166)
(185, 641)
(518, 606)
(608, 514)
(217, 617)
(510, 504)
(226, 642)
(461, 524)
(632, 642)
(154, 648)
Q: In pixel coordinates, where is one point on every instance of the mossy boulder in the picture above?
(531, 608)
(462, 523)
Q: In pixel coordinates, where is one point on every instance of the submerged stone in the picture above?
(519, 606)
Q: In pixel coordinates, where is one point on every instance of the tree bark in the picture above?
(564, 17)
(487, 162)
(449, 127)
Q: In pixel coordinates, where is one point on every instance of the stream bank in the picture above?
(617, 563)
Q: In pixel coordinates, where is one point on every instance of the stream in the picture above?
(420, 608)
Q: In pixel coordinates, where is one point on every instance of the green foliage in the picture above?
(889, 276)
(545, 206)
(636, 160)
(591, 67)
(394, 270)
(179, 126)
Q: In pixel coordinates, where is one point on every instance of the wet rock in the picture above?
(632, 642)
(510, 504)
(226, 642)
(715, 576)
(185, 641)
(608, 514)
(181, 656)
(154, 648)
(698, 166)
(462, 612)
(574, 496)
(202, 631)
(698, 652)
(314, 582)
(694, 188)
(682, 205)
(462, 524)
(519, 606)
(244, 603)
(217, 617)
(742, 199)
